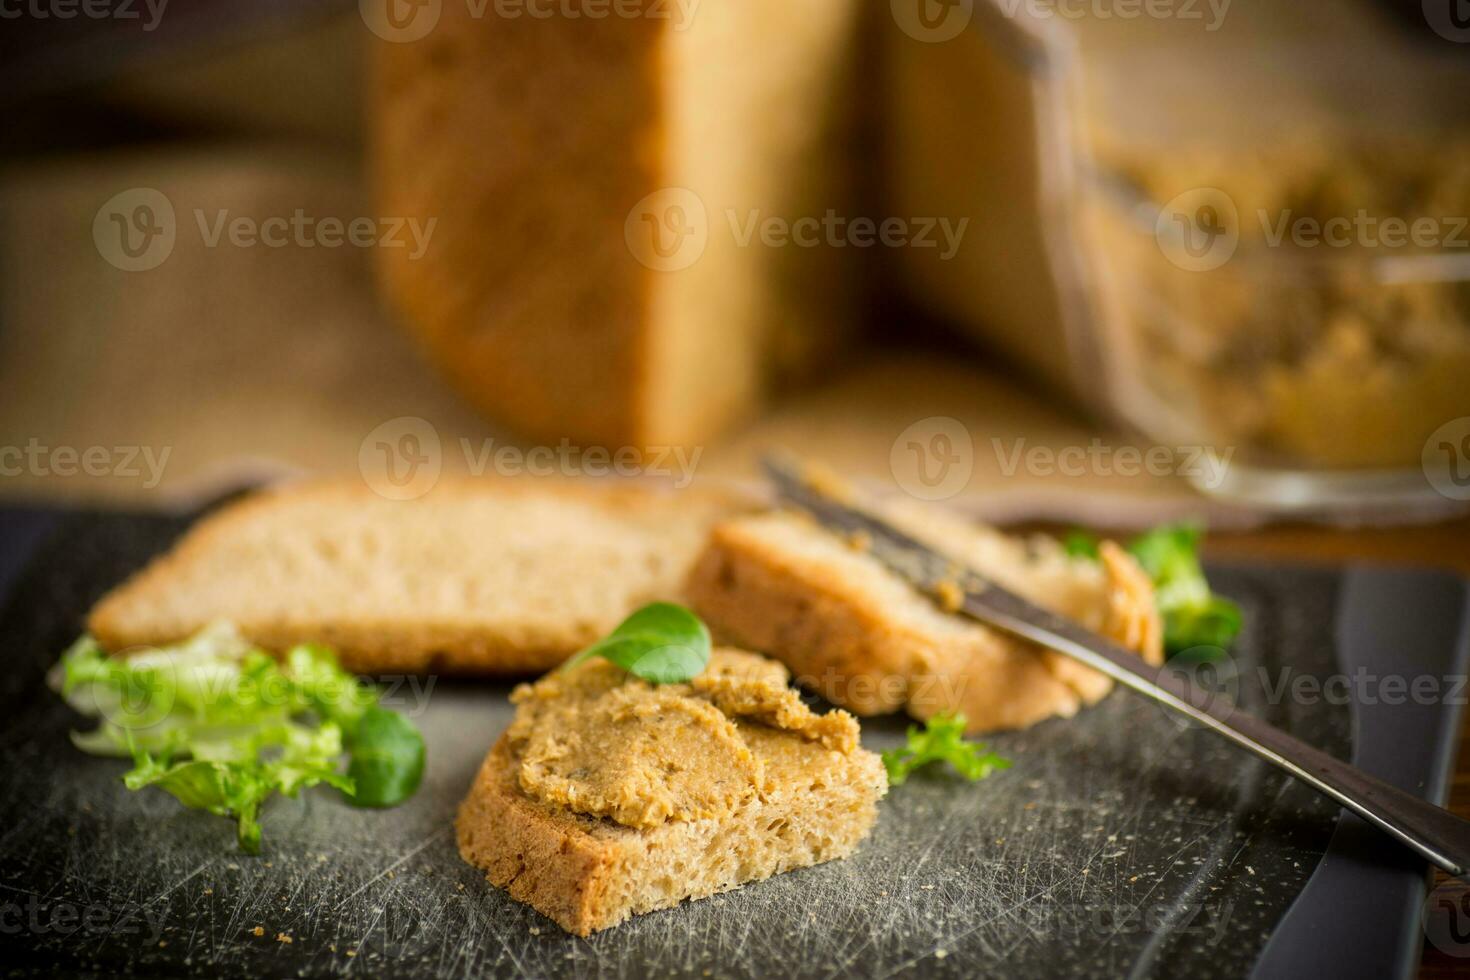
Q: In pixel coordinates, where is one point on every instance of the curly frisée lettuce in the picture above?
(1195, 618)
(941, 740)
(222, 725)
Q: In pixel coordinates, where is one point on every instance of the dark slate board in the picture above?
(1121, 844)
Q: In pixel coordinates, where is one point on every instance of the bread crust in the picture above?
(369, 643)
(589, 874)
(527, 277)
(533, 146)
(849, 629)
(758, 598)
(540, 855)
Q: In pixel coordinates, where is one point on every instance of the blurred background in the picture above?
(1053, 262)
(1085, 261)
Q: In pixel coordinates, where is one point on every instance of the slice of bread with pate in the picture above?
(478, 577)
(608, 797)
(861, 636)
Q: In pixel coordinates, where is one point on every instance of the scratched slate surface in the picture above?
(1121, 843)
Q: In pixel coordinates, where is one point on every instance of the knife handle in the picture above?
(1433, 832)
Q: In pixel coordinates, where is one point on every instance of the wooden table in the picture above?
(1445, 546)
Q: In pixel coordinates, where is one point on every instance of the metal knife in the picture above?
(1435, 833)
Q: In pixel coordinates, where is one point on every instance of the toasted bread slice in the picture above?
(478, 577)
(600, 845)
(866, 640)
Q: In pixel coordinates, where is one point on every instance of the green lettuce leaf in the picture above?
(942, 739)
(1194, 617)
(223, 726)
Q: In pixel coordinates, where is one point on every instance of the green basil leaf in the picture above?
(662, 643)
(387, 759)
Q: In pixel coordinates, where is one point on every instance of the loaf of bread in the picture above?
(865, 639)
(608, 797)
(478, 577)
(594, 178)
